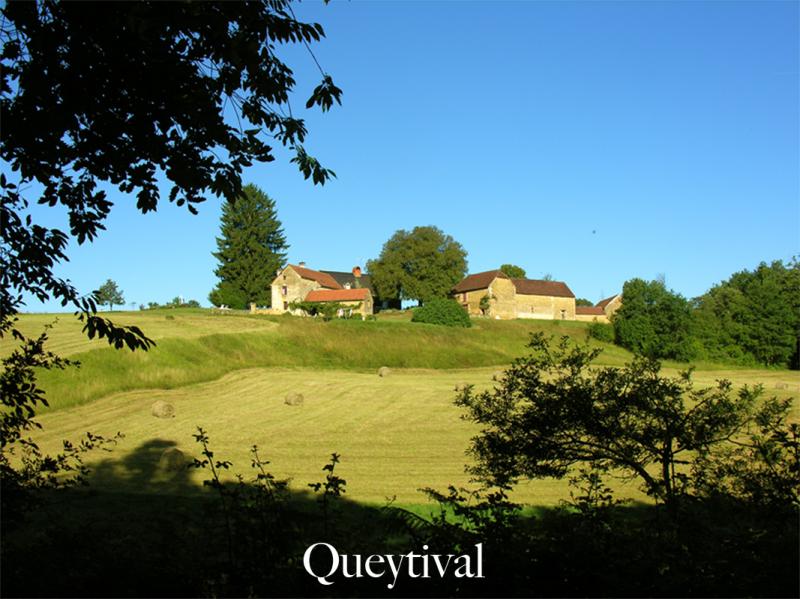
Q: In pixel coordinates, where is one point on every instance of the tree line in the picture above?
(752, 318)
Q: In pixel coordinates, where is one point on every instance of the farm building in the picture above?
(296, 283)
(495, 294)
(601, 311)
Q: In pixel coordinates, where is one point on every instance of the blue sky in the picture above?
(594, 141)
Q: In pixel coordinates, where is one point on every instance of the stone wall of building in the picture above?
(289, 287)
(591, 318)
(613, 306)
(544, 307)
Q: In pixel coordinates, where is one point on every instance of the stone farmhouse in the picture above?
(496, 295)
(296, 283)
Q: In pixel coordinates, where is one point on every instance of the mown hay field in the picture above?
(395, 434)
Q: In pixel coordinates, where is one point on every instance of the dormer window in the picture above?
(347, 285)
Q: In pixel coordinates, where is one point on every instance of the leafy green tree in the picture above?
(251, 248)
(753, 316)
(513, 271)
(552, 412)
(109, 293)
(654, 321)
(421, 264)
(583, 302)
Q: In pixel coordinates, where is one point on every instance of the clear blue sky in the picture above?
(595, 141)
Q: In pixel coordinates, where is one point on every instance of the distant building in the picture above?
(296, 283)
(601, 311)
(496, 295)
(610, 304)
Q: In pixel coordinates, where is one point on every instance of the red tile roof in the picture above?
(603, 303)
(480, 280)
(322, 278)
(548, 288)
(589, 310)
(337, 295)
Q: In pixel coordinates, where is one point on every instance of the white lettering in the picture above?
(395, 569)
(368, 566)
(439, 564)
(464, 569)
(334, 564)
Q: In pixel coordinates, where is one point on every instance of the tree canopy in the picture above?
(654, 321)
(754, 316)
(513, 271)
(551, 412)
(118, 95)
(251, 248)
(109, 293)
(421, 264)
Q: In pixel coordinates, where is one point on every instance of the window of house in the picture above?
(284, 290)
(285, 305)
(563, 314)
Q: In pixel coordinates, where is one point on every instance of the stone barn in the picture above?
(496, 295)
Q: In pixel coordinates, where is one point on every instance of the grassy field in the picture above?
(230, 373)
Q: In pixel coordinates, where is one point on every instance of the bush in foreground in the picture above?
(443, 312)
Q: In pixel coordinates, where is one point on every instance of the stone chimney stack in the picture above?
(357, 272)
(301, 264)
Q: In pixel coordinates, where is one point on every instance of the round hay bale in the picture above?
(497, 375)
(781, 385)
(172, 459)
(294, 399)
(460, 387)
(162, 409)
(384, 371)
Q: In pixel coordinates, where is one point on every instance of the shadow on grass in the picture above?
(147, 530)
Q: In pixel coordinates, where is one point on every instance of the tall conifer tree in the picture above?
(250, 250)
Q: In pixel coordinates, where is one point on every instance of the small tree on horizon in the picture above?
(513, 271)
(251, 248)
(109, 293)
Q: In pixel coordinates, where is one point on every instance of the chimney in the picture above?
(301, 264)
(357, 271)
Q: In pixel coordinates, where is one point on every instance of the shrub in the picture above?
(441, 311)
(601, 331)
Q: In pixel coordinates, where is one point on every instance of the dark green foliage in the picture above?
(654, 321)
(551, 413)
(513, 271)
(485, 304)
(583, 302)
(444, 312)
(601, 331)
(226, 294)
(109, 294)
(753, 317)
(251, 248)
(422, 264)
